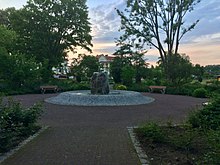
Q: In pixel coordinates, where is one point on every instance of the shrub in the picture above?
(179, 91)
(138, 87)
(184, 139)
(16, 123)
(200, 92)
(68, 85)
(208, 117)
(213, 156)
(127, 75)
(120, 87)
(152, 132)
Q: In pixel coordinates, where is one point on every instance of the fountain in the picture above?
(99, 83)
(100, 95)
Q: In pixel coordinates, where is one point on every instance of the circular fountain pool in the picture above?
(114, 98)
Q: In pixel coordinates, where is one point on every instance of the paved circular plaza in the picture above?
(95, 135)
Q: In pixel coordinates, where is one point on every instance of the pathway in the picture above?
(94, 135)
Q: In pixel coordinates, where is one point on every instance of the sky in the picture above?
(202, 44)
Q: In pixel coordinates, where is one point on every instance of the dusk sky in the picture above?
(202, 44)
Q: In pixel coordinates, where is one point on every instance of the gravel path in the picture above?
(94, 135)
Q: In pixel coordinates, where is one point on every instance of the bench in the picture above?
(48, 88)
(161, 88)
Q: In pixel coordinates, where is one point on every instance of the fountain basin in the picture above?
(114, 98)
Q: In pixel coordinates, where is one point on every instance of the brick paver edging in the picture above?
(21, 145)
(140, 152)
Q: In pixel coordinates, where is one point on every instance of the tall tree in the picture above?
(180, 69)
(7, 40)
(48, 28)
(4, 16)
(84, 66)
(16, 70)
(131, 54)
(157, 23)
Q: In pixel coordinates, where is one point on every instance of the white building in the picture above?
(105, 61)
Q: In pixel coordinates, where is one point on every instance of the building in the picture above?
(105, 61)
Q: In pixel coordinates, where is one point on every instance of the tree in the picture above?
(211, 71)
(19, 71)
(7, 40)
(15, 69)
(198, 72)
(140, 66)
(48, 28)
(180, 69)
(127, 75)
(157, 23)
(116, 69)
(4, 16)
(84, 66)
(131, 54)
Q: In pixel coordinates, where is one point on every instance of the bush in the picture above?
(17, 123)
(152, 132)
(139, 87)
(200, 92)
(120, 87)
(213, 156)
(179, 91)
(213, 88)
(69, 85)
(208, 117)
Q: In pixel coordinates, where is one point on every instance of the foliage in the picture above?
(7, 40)
(208, 120)
(152, 132)
(140, 66)
(200, 92)
(141, 87)
(213, 88)
(156, 75)
(16, 123)
(179, 68)
(4, 16)
(196, 141)
(185, 89)
(127, 75)
(198, 72)
(47, 29)
(69, 85)
(16, 70)
(156, 23)
(208, 117)
(120, 87)
(84, 66)
(213, 156)
(128, 55)
(210, 71)
(116, 69)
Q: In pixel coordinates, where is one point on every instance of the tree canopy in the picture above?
(157, 23)
(49, 28)
(84, 66)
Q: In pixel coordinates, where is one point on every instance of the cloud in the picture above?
(207, 11)
(105, 24)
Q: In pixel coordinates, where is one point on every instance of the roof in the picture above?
(105, 58)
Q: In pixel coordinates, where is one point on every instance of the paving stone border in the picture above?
(5, 156)
(140, 152)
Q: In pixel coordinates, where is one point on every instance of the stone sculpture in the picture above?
(99, 83)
